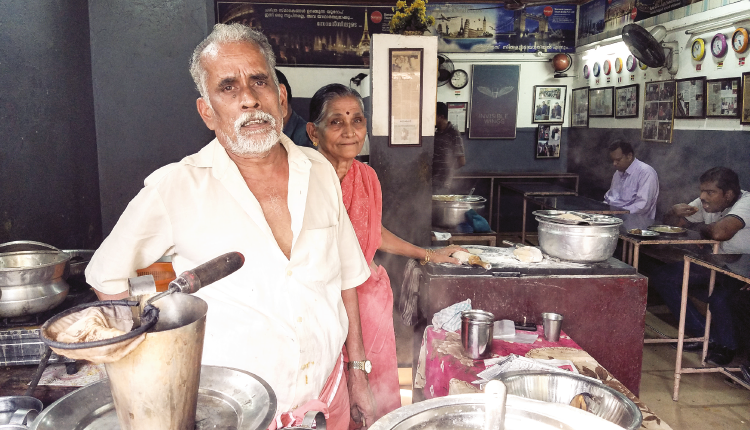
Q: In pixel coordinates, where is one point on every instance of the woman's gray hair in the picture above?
(223, 34)
(321, 99)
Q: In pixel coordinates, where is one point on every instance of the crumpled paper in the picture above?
(449, 319)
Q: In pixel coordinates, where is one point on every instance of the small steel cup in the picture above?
(476, 333)
(552, 326)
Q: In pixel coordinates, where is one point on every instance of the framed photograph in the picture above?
(457, 115)
(690, 98)
(579, 109)
(723, 98)
(548, 141)
(601, 101)
(405, 107)
(626, 101)
(745, 99)
(494, 101)
(549, 104)
(658, 112)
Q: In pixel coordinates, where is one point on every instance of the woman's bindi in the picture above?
(347, 113)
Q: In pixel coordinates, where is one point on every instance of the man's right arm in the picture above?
(678, 214)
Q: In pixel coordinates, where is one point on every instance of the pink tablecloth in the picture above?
(446, 360)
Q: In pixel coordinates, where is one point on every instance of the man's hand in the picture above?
(684, 210)
(361, 400)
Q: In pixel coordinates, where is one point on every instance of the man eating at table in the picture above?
(287, 312)
(721, 213)
(635, 184)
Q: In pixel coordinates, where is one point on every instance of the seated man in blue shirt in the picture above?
(721, 213)
(635, 184)
(295, 127)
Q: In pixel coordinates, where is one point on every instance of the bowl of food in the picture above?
(668, 229)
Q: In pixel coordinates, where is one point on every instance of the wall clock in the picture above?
(642, 65)
(739, 40)
(459, 79)
(719, 45)
(607, 67)
(618, 65)
(699, 49)
(596, 70)
(631, 63)
(586, 72)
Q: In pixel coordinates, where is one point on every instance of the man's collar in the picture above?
(631, 168)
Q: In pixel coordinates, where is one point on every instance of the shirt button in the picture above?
(288, 273)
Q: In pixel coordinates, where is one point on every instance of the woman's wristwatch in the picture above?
(365, 366)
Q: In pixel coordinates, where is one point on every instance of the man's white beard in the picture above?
(253, 143)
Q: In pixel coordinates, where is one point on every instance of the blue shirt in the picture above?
(296, 129)
(635, 189)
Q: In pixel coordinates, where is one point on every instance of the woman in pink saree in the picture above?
(338, 129)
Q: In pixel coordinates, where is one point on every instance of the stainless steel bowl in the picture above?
(466, 412)
(578, 243)
(79, 259)
(31, 282)
(448, 211)
(18, 410)
(606, 402)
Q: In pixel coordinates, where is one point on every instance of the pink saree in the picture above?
(363, 200)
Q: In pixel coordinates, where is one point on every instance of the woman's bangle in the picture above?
(427, 253)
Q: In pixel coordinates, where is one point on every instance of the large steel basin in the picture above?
(578, 243)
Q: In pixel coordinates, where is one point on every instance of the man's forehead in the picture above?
(710, 185)
(228, 59)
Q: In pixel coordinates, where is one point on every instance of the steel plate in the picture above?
(668, 229)
(586, 218)
(227, 399)
(642, 232)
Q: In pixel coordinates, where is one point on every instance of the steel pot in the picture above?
(31, 282)
(449, 211)
(578, 243)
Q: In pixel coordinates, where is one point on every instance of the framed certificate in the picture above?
(405, 107)
(579, 107)
(723, 98)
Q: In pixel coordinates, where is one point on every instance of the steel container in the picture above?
(467, 412)
(578, 243)
(561, 387)
(476, 333)
(448, 211)
(31, 282)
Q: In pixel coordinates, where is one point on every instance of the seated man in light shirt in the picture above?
(635, 184)
(721, 213)
(286, 314)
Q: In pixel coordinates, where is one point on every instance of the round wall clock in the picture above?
(618, 65)
(642, 65)
(586, 72)
(699, 49)
(607, 66)
(596, 70)
(739, 40)
(459, 79)
(719, 45)
(631, 63)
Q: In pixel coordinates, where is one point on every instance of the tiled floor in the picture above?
(706, 401)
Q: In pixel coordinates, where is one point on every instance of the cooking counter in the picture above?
(604, 304)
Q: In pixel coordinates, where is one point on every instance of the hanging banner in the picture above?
(312, 35)
(484, 27)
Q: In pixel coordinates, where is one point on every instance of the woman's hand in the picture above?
(442, 255)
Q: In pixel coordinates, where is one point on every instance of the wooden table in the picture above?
(490, 238)
(494, 177)
(528, 190)
(586, 296)
(444, 369)
(734, 265)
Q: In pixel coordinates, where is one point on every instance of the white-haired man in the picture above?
(287, 313)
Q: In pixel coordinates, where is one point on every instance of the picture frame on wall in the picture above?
(745, 99)
(601, 102)
(723, 98)
(405, 97)
(548, 141)
(579, 107)
(690, 98)
(627, 101)
(548, 106)
(658, 112)
(494, 101)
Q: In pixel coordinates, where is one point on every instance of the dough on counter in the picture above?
(528, 254)
(470, 259)
(570, 217)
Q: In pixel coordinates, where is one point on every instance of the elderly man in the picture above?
(635, 184)
(287, 313)
(722, 213)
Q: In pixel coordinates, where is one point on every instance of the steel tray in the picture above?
(586, 218)
(227, 399)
